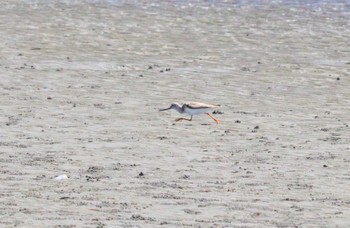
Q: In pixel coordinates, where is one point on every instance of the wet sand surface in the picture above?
(81, 85)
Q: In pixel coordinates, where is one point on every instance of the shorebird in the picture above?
(192, 109)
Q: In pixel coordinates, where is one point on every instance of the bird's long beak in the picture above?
(161, 110)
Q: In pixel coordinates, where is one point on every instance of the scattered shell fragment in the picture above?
(61, 177)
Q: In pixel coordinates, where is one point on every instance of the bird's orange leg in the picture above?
(178, 119)
(215, 119)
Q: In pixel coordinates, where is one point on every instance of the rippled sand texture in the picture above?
(81, 85)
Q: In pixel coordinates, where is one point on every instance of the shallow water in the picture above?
(329, 7)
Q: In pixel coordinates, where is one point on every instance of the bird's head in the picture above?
(172, 106)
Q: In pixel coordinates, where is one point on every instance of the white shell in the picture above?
(61, 177)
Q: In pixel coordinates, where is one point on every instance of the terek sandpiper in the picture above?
(192, 109)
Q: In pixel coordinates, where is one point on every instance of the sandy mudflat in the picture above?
(81, 85)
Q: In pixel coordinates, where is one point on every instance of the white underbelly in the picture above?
(198, 111)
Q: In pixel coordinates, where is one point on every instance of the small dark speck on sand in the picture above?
(137, 217)
(218, 112)
(185, 177)
(338, 78)
(141, 174)
(64, 197)
(256, 127)
(49, 98)
(162, 137)
(325, 166)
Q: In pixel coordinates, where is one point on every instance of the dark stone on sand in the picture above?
(325, 166)
(141, 174)
(256, 127)
(49, 98)
(338, 78)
